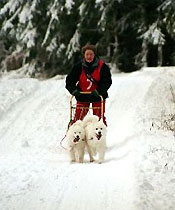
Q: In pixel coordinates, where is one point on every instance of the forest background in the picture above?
(44, 37)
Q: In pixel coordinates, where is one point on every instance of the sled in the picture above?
(72, 111)
(73, 107)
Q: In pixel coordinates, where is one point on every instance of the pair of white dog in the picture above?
(90, 133)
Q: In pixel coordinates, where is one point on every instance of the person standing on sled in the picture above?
(90, 75)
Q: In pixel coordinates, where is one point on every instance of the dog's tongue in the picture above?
(98, 136)
(76, 139)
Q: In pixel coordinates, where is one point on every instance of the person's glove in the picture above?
(95, 93)
(76, 93)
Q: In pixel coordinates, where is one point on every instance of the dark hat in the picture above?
(89, 47)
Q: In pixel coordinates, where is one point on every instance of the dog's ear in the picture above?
(78, 122)
(101, 120)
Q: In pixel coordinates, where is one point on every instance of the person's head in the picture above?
(89, 52)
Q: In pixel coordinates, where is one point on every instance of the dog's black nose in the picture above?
(99, 132)
(77, 137)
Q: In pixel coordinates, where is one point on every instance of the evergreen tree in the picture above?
(86, 30)
(108, 24)
(167, 20)
(119, 22)
(128, 24)
(129, 34)
(156, 32)
(39, 29)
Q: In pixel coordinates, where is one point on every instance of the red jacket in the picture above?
(86, 84)
(77, 79)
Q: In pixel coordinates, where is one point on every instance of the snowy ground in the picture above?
(138, 173)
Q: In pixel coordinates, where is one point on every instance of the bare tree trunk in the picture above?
(144, 53)
(160, 55)
(108, 51)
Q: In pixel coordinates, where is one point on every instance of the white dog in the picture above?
(76, 141)
(95, 136)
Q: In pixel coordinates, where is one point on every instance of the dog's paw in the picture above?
(100, 161)
(92, 160)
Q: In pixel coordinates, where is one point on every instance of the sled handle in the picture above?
(87, 92)
(71, 107)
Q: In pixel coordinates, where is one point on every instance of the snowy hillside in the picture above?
(138, 173)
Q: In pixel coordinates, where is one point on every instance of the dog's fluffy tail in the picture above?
(88, 119)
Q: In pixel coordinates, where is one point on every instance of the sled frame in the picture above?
(72, 107)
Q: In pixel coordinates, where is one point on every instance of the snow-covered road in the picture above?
(35, 172)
